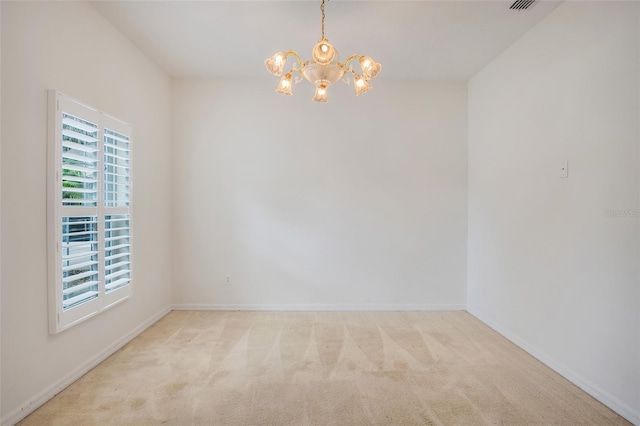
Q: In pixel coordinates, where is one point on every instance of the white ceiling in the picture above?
(433, 40)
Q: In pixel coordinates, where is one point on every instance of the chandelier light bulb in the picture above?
(323, 70)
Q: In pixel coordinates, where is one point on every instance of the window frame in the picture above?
(60, 318)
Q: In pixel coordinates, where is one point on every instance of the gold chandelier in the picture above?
(324, 70)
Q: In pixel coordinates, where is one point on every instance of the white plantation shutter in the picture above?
(117, 252)
(79, 253)
(89, 189)
(79, 161)
(116, 229)
(117, 170)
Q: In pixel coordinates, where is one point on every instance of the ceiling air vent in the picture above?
(522, 4)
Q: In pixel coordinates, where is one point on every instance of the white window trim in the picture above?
(60, 319)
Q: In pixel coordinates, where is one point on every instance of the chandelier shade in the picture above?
(321, 94)
(323, 70)
(361, 85)
(370, 68)
(327, 74)
(275, 64)
(323, 53)
(285, 84)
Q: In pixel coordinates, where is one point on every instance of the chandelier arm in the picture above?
(295, 54)
(295, 70)
(346, 76)
(349, 59)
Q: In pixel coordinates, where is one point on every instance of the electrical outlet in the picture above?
(228, 280)
(564, 169)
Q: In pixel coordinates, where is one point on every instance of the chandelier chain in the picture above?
(322, 9)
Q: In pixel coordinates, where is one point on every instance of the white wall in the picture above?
(68, 46)
(547, 267)
(0, 224)
(357, 204)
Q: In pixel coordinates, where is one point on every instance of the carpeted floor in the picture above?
(321, 368)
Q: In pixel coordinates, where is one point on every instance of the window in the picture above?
(89, 211)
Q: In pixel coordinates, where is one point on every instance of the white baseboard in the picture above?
(330, 307)
(28, 408)
(607, 399)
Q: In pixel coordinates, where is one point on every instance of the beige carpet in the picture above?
(272, 368)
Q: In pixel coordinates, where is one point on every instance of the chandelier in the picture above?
(324, 70)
